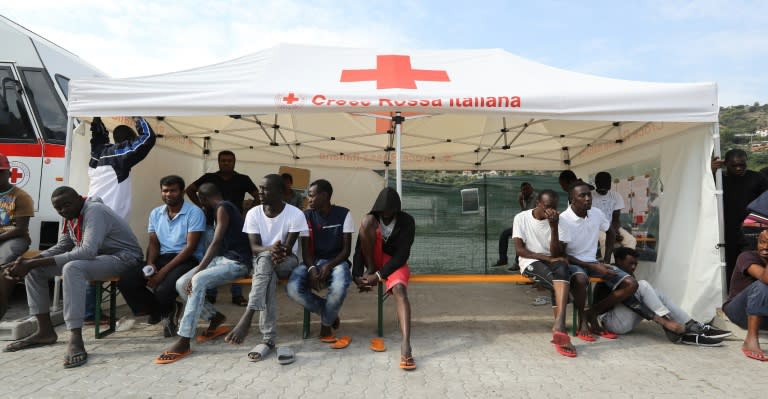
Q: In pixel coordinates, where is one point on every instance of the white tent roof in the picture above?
(464, 109)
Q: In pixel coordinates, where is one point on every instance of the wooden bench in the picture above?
(109, 287)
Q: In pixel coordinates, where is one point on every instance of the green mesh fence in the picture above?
(452, 242)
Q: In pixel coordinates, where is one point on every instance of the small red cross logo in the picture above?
(394, 72)
(290, 99)
(16, 175)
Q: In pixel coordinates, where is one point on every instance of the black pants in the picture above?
(504, 243)
(160, 303)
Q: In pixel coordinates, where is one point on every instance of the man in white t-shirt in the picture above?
(584, 225)
(611, 203)
(538, 235)
(273, 228)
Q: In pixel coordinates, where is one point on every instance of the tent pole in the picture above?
(67, 159)
(720, 216)
(398, 119)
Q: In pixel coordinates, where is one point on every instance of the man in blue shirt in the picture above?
(325, 251)
(174, 233)
(226, 259)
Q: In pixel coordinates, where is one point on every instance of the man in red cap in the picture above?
(16, 207)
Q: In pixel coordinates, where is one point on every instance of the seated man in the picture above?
(326, 250)
(527, 200)
(584, 224)
(383, 246)
(650, 304)
(174, 233)
(611, 204)
(227, 258)
(537, 236)
(273, 229)
(747, 304)
(16, 207)
(96, 244)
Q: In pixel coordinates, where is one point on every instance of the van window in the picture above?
(63, 82)
(50, 112)
(14, 119)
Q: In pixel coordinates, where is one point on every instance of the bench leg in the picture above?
(112, 291)
(380, 307)
(305, 327)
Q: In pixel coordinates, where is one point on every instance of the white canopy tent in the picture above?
(326, 108)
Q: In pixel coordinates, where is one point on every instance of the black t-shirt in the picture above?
(738, 192)
(232, 190)
(236, 245)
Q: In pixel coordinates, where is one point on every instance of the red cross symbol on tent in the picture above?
(394, 72)
(290, 98)
(16, 175)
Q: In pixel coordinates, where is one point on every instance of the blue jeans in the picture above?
(220, 271)
(328, 307)
(753, 301)
(234, 289)
(263, 296)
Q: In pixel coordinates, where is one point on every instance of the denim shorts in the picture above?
(612, 282)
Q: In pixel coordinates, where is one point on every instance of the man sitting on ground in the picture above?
(16, 207)
(383, 247)
(651, 304)
(584, 225)
(537, 236)
(326, 250)
(611, 203)
(227, 258)
(747, 304)
(273, 228)
(174, 230)
(96, 244)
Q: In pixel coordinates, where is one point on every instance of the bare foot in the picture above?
(592, 324)
(180, 346)
(238, 334)
(76, 353)
(325, 331)
(34, 340)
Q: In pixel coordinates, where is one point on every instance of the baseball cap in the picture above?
(4, 164)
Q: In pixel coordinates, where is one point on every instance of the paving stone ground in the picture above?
(469, 341)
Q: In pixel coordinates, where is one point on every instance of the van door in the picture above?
(18, 140)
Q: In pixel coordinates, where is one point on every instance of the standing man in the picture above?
(96, 244)
(383, 247)
(584, 225)
(226, 259)
(740, 187)
(233, 187)
(16, 207)
(611, 204)
(174, 230)
(527, 200)
(110, 165)
(273, 229)
(325, 251)
(537, 241)
(109, 172)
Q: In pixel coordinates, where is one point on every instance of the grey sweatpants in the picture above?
(263, 296)
(75, 277)
(13, 248)
(622, 319)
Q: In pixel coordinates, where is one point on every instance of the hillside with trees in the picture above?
(738, 124)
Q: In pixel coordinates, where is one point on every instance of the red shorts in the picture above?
(399, 276)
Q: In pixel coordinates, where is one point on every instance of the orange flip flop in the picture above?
(328, 339)
(586, 337)
(174, 356)
(342, 342)
(759, 356)
(407, 363)
(209, 335)
(377, 345)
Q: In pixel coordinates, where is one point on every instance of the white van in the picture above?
(34, 79)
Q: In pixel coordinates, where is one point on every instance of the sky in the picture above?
(648, 40)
